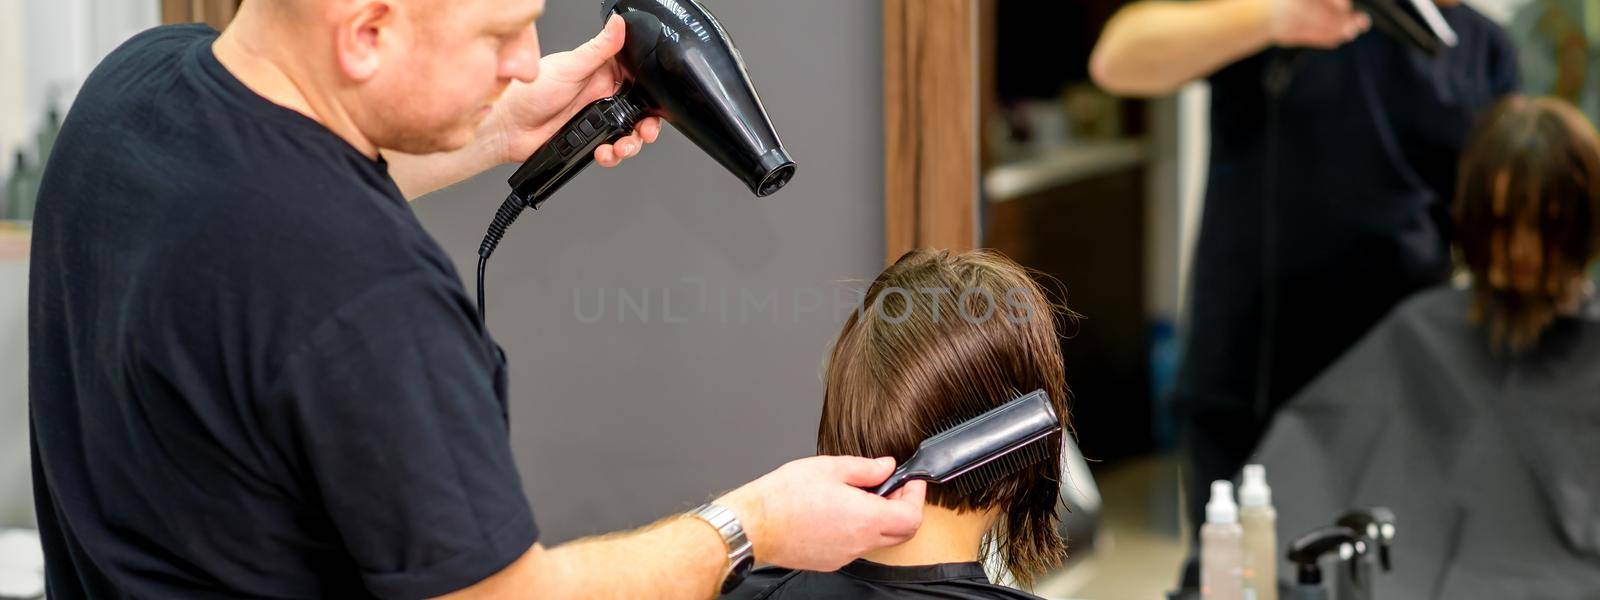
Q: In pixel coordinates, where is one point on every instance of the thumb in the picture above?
(904, 516)
(863, 472)
(594, 53)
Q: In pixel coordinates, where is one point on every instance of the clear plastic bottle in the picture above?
(45, 141)
(1259, 522)
(5, 197)
(17, 190)
(1221, 546)
(27, 190)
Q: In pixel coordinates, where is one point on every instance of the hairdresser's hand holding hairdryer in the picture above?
(1152, 48)
(1314, 23)
(528, 113)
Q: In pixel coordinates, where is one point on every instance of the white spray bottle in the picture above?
(1259, 521)
(1221, 547)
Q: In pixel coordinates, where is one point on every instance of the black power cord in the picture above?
(503, 218)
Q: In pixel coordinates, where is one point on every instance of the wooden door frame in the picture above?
(931, 142)
(215, 13)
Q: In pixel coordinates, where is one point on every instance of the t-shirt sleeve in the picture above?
(395, 412)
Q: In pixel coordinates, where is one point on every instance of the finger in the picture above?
(1341, 6)
(861, 472)
(606, 156)
(1327, 39)
(650, 129)
(904, 515)
(913, 493)
(627, 146)
(1352, 28)
(596, 52)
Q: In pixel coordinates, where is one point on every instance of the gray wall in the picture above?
(708, 376)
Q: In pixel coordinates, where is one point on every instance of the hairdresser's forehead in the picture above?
(475, 14)
(486, 11)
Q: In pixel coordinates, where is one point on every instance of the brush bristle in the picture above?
(969, 483)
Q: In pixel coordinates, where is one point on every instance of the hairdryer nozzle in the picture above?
(777, 170)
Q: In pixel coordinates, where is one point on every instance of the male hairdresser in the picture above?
(1333, 157)
(253, 374)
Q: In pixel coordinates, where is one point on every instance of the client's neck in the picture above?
(945, 537)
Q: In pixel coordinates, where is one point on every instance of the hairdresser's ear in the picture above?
(364, 32)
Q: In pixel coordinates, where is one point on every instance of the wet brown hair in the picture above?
(941, 338)
(1528, 208)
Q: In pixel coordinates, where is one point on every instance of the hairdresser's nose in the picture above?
(519, 60)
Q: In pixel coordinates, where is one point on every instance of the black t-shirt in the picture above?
(1347, 196)
(252, 372)
(866, 580)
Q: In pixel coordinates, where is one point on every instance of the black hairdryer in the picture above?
(678, 64)
(1415, 22)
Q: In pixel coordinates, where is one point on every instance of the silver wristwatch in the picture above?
(741, 555)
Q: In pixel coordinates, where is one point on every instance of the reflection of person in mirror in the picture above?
(1528, 219)
(1470, 410)
(1333, 158)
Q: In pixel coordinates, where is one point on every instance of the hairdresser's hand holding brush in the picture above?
(813, 513)
(528, 113)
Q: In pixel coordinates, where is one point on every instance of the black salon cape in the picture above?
(252, 372)
(1492, 465)
(868, 580)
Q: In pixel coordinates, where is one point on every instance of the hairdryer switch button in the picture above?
(588, 127)
(574, 139)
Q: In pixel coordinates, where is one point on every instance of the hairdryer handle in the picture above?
(603, 121)
(1392, 18)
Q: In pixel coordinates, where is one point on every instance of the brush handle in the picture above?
(910, 470)
(896, 479)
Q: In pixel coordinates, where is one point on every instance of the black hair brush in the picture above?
(983, 449)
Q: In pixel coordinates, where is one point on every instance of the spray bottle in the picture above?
(1221, 547)
(1259, 522)
(1374, 526)
(45, 141)
(1307, 553)
(20, 190)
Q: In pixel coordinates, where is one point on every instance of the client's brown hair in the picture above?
(941, 338)
(1528, 199)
